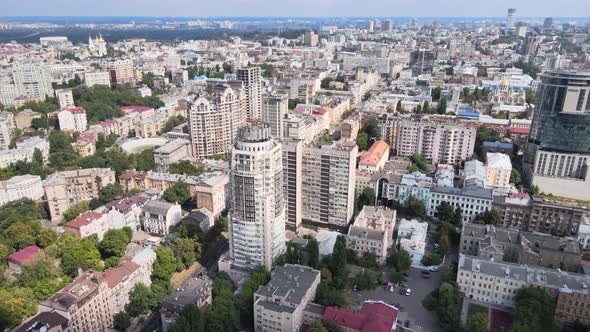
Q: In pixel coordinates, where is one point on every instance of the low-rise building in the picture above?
(19, 187)
(372, 232)
(511, 245)
(497, 283)
(172, 152)
(471, 200)
(45, 322)
(374, 159)
(25, 151)
(67, 188)
(474, 174)
(159, 216)
(411, 236)
(279, 305)
(25, 118)
(374, 316)
(18, 258)
(498, 170)
(196, 291)
(417, 185)
(72, 119)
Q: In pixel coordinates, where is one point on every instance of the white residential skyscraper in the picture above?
(251, 77)
(257, 226)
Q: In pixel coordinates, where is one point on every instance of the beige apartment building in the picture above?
(121, 71)
(498, 170)
(214, 121)
(280, 304)
(67, 188)
(439, 143)
(372, 232)
(173, 151)
(327, 185)
(97, 78)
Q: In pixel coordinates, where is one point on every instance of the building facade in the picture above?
(252, 79)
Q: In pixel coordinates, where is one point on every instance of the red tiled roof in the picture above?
(108, 123)
(84, 219)
(320, 111)
(86, 137)
(520, 130)
(24, 255)
(375, 153)
(373, 317)
(120, 272)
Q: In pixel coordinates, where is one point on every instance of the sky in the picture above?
(204, 8)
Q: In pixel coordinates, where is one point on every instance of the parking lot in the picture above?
(411, 306)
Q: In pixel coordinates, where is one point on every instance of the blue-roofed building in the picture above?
(500, 147)
(468, 113)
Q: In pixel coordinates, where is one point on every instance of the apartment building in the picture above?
(328, 184)
(121, 71)
(280, 304)
(511, 245)
(72, 119)
(557, 218)
(210, 190)
(417, 185)
(158, 217)
(411, 237)
(257, 224)
(471, 200)
(274, 109)
(214, 120)
(25, 150)
(498, 170)
(439, 143)
(85, 302)
(195, 291)
(474, 174)
(7, 126)
(65, 98)
(252, 80)
(172, 152)
(67, 188)
(97, 78)
(372, 231)
(19, 187)
(496, 283)
(33, 80)
(121, 280)
(514, 210)
(292, 177)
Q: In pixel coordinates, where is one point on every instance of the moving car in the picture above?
(408, 292)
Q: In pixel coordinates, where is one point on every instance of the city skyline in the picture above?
(290, 8)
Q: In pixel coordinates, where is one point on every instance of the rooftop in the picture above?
(24, 255)
(289, 282)
(498, 160)
(375, 153)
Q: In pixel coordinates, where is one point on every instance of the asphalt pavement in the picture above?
(411, 306)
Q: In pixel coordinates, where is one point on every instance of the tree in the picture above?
(173, 122)
(400, 260)
(114, 243)
(478, 322)
(190, 319)
(326, 83)
(449, 307)
(515, 177)
(144, 161)
(534, 310)
(39, 123)
(317, 326)
(442, 106)
(328, 296)
(16, 304)
(489, 217)
(140, 300)
(184, 251)
(398, 107)
(362, 140)
(366, 197)
(294, 253)
(534, 190)
(38, 156)
(426, 108)
(43, 276)
(20, 211)
(110, 192)
(178, 193)
(245, 299)
(445, 212)
(313, 250)
(75, 210)
(165, 264)
(78, 253)
(430, 260)
(421, 163)
(20, 235)
(185, 167)
(413, 207)
(371, 127)
(435, 93)
(121, 321)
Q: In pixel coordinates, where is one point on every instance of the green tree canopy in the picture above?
(179, 193)
(165, 264)
(78, 253)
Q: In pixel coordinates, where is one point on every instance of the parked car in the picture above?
(426, 276)
(425, 272)
(434, 269)
(391, 289)
(408, 292)
(402, 291)
(407, 323)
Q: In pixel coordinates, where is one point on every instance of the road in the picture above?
(412, 309)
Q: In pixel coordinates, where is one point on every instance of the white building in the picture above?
(25, 150)
(252, 79)
(65, 98)
(7, 126)
(372, 231)
(475, 174)
(97, 78)
(22, 186)
(257, 226)
(412, 238)
(274, 109)
(417, 185)
(584, 236)
(72, 118)
(498, 170)
(159, 216)
(33, 80)
(471, 200)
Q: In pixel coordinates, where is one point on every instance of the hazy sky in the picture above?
(417, 8)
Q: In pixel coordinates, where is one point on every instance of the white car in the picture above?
(408, 292)
(434, 269)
